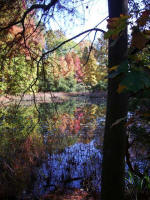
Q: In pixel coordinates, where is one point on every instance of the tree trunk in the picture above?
(113, 167)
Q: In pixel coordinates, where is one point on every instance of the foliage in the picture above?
(134, 78)
(54, 38)
(20, 64)
(17, 67)
(137, 187)
(136, 67)
(94, 74)
(65, 70)
(21, 48)
(115, 26)
(17, 76)
(8, 9)
(101, 51)
(101, 85)
(20, 148)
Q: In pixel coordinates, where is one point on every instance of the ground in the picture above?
(74, 194)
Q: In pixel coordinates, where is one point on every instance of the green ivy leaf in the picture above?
(122, 68)
(136, 80)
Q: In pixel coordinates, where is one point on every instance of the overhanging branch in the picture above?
(74, 37)
(33, 7)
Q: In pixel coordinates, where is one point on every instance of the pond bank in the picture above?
(49, 97)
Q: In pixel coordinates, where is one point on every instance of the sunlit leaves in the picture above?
(9, 8)
(90, 71)
(93, 73)
(17, 75)
(115, 26)
(17, 54)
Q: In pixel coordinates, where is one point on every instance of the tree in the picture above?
(115, 138)
(61, 68)
(90, 71)
(18, 68)
(101, 51)
(113, 167)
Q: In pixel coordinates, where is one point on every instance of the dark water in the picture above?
(74, 157)
(48, 147)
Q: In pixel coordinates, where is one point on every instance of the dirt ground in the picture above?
(75, 194)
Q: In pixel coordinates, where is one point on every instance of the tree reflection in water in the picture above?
(33, 144)
(57, 147)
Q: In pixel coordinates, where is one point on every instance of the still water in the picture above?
(52, 146)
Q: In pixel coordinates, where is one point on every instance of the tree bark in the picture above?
(113, 166)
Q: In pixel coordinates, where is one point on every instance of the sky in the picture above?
(93, 12)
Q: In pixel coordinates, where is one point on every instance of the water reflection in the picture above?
(78, 166)
(54, 146)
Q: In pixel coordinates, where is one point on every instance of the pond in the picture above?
(51, 146)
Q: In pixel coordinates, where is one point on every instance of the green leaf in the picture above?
(124, 66)
(113, 74)
(136, 80)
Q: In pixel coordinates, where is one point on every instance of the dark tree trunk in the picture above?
(113, 166)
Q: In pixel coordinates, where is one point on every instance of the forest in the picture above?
(74, 106)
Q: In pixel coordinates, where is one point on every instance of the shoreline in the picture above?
(49, 97)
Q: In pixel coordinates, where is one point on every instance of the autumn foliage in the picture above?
(29, 42)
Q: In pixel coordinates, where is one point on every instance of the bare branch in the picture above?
(74, 37)
(88, 33)
(33, 7)
(91, 47)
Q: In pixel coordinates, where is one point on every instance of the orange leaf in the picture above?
(144, 18)
(146, 114)
(121, 88)
(112, 22)
(138, 40)
(113, 68)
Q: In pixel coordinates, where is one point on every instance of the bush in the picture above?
(63, 84)
(102, 85)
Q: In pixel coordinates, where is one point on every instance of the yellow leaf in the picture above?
(121, 88)
(113, 68)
